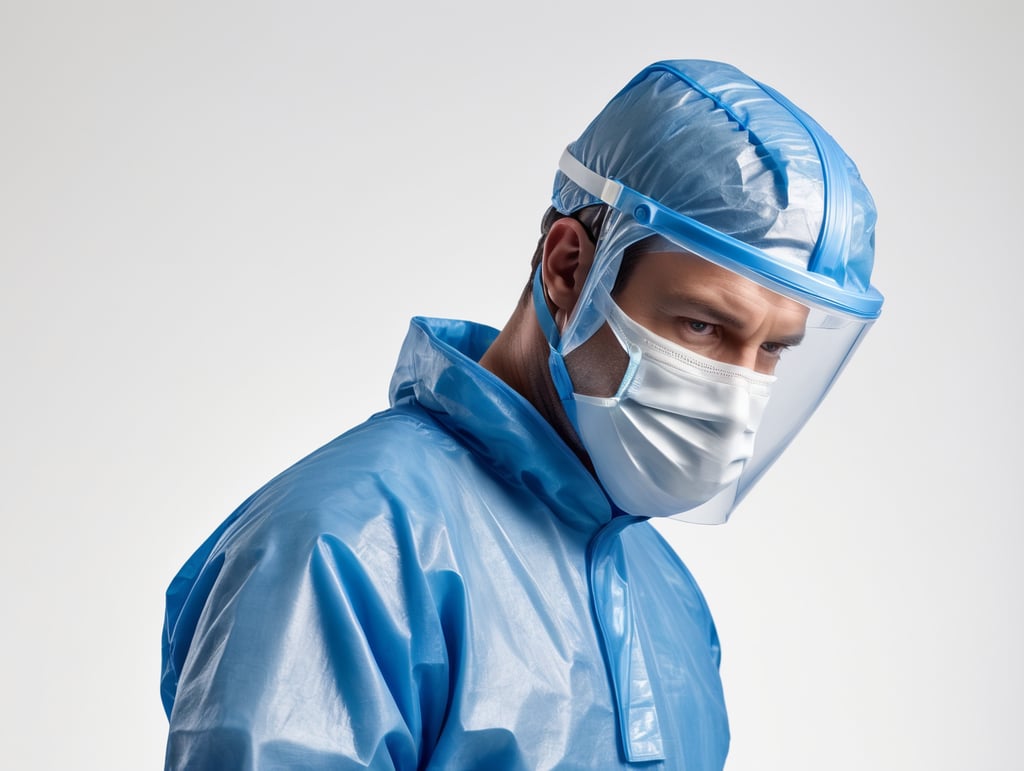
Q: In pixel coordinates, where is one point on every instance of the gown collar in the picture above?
(438, 368)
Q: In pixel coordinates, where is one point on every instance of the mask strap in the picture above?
(556, 364)
(544, 317)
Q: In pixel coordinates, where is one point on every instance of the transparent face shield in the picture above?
(790, 333)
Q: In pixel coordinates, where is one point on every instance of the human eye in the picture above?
(697, 327)
(774, 349)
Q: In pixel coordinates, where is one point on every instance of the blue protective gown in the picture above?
(443, 587)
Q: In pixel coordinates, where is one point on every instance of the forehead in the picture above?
(681, 283)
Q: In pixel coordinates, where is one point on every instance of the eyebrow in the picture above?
(719, 316)
(790, 340)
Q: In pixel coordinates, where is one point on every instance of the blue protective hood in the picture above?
(729, 168)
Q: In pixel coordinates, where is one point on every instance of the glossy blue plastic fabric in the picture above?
(712, 162)
(741, 174)
(443, 587)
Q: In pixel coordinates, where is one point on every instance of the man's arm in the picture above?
(305, 654)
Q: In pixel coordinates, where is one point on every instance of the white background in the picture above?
(217, 218)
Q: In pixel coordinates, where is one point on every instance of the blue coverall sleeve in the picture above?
(311, 651)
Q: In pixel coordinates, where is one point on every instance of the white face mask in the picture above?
(679, 430)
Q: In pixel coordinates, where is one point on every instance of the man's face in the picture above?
(698, 305)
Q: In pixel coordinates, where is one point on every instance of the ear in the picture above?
(568, 255)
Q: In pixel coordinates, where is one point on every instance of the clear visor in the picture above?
(694, 300)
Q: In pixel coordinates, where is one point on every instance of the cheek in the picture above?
(598, 366)
(766, 363)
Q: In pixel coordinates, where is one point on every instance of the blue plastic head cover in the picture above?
(723, 167)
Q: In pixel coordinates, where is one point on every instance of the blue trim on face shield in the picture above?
(832, 249)
(833, 246)
(806, 287)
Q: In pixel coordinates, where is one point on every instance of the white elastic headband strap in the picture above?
(608, 190)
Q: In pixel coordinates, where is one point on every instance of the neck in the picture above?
(519, 356)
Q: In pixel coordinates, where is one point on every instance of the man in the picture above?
(467, 579)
